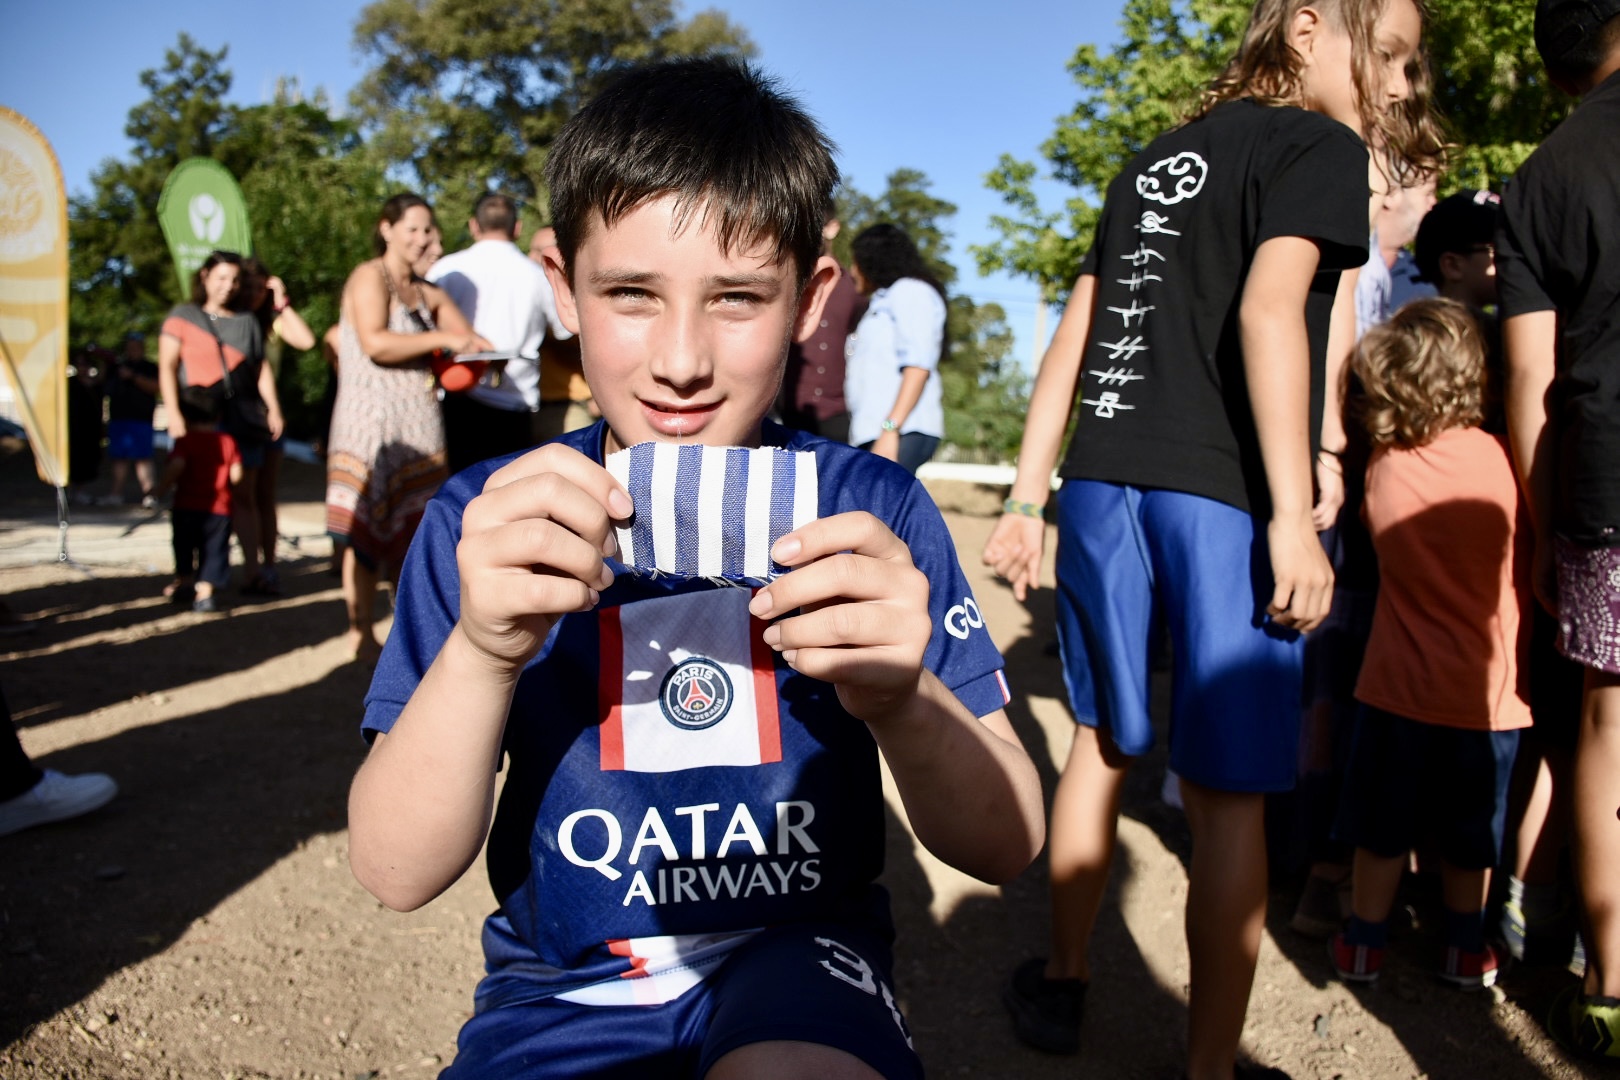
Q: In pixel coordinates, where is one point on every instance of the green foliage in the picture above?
(470, 93)
(985, 393)
(1488, 84)
(119, 268)
(311, 186)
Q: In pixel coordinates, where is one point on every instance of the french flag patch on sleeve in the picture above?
(686, 681)
(712, 511)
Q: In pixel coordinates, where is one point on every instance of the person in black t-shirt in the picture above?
(1196, 342)
(1558, 274)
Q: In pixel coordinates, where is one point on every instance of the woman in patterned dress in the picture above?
(386, 454)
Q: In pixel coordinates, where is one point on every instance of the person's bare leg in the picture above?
(1463, 891)
(120, 474)
(1374, 882)
(1226, 912)
(1596, 819)
(1080, 847)
(360, 600)
(145, 475)
(790, 1061)
(245, 521)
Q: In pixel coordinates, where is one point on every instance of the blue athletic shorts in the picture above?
(826, 984)
(129, 440)
(1409, 781)
(1128, 558)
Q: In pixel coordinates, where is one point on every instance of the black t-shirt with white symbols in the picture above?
(1163, 398)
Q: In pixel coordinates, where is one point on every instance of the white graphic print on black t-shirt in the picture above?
(1163, 399)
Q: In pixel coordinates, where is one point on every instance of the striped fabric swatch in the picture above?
(712, 511)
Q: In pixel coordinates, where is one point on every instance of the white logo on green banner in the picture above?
(201, 210)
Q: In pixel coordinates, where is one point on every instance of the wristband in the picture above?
(1023, 509)
(889, 425)
(283, 306)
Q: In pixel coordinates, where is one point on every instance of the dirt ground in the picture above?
(206, 924)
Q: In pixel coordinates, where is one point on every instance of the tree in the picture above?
(1488, 85)
(313, 190)
(470, 93)
(118, 262)
(985, 394)
(311, 187)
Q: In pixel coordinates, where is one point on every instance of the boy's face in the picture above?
(1470, 275)
(679, 339)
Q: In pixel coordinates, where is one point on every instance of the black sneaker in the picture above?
(1046, 1012)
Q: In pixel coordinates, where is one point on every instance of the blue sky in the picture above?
(942, 86)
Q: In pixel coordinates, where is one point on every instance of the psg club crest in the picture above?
(696, 694)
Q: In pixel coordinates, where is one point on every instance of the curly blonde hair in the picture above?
(1422, 373)
(1267, 69)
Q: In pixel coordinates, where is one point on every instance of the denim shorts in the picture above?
(1128, 558)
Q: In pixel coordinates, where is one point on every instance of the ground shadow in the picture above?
(219, 797)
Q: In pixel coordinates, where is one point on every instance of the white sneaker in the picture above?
(56, 797)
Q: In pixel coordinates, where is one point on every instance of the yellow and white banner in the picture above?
(34, 290)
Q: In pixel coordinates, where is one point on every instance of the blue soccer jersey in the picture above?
(673, 785)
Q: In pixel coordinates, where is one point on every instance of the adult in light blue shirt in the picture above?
(891, 379)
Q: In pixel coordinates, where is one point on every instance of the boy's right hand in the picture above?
(532, 549)
(1014, 551)
(1301, 573)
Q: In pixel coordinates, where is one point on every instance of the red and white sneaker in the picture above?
(1355, 963)
(1469, 970)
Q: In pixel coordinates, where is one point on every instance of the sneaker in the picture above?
(1586, 1026)
(149, 502)
(1469, 970)
(1551, 939)
(1355, 963)
(56, 797)
(110, 500)
(1577, 958)
(1323, 907)
(205, 605)
(1046, 1012)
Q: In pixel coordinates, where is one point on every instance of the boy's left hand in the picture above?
(863, 625)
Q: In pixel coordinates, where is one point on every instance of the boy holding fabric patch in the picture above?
(687, 842)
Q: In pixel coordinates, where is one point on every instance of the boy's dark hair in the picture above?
(495, 212)
(1575, 37)
(717, 135)
(885, 254)
(198, 294)
(1456, 225)
(198, 405)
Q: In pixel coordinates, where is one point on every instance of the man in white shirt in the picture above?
(508, 300)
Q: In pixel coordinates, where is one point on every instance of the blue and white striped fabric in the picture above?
(712, 511)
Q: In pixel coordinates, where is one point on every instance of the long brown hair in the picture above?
(1269, 70)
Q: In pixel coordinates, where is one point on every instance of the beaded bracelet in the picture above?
(1024, 509)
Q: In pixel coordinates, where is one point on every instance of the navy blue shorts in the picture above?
(129, 440)
(1409, 781)
(1129, 557)
(826, 984)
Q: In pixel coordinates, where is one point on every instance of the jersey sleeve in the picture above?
(1518, 263)
(960, 651)
(1315, 185)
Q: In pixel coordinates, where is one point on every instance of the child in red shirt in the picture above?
(202, 466)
